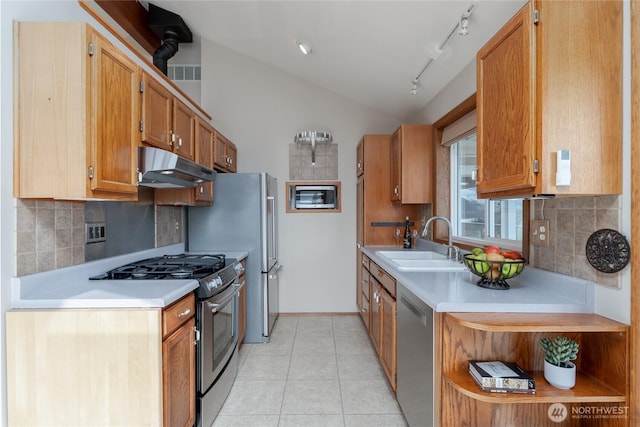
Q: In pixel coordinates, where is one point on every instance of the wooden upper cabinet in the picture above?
(183, 130)
(360, 159)
(204, 156)
(376, 213)
(156, 114)
(225, 154)
(166, 122)
(202, 194)
(74, 141)
(540, 90)
(412, 164)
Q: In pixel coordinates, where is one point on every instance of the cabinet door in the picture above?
(375, 320)
(204, 157)
(363, 298)
(219, 150)
(396, 166)
(156, 113)
(178, 375)
(182, 126)
(360, 158)
(388, 349)
(505, 108)
(114, 144)
(232, 156)
(242, 311)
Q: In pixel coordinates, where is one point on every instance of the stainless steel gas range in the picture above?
(216, 318)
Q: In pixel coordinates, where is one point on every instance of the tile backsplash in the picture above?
(51, 234)
(325, 168)
(571, 222)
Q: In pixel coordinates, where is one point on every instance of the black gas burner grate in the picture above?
(183, 266)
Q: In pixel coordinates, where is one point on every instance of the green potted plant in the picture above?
(559, 371)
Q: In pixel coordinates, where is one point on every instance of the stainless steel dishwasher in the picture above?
(415, 359)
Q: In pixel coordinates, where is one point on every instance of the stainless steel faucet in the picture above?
(450, 247)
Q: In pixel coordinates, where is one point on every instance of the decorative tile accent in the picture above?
(325, 168)
(168, 225)
(571, 221)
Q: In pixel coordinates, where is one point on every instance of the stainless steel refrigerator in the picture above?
(244, 218)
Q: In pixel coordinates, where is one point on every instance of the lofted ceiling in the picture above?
(367, 51)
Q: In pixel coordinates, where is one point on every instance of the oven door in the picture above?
(218, 335)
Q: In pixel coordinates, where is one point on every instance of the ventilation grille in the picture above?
(184, 73)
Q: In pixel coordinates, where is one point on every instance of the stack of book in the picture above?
(502, 377)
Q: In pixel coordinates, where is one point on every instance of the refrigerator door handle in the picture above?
(276, 269)
(274, 243)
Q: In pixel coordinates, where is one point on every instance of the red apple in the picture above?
(511, 254)
(492, 250)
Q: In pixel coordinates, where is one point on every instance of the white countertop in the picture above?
(70, 287)
(533, 291)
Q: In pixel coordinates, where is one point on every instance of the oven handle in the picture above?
(215, 307)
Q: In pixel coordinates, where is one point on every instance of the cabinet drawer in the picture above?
(366, 261)
(177, 313)
(365, 283)
(364, 311)
(384, 278)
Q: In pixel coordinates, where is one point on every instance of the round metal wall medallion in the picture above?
(608, 251)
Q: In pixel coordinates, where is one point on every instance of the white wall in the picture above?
(261, 109)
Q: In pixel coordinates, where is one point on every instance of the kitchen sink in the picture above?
(427, 265)
(413, 255)
(421, 261)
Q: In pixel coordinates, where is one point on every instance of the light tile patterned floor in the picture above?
(316, 371)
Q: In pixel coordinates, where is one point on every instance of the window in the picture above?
(476, 222)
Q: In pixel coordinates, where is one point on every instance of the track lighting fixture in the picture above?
(304, 47)
(461, 27)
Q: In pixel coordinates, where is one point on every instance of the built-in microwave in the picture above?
(313, 196)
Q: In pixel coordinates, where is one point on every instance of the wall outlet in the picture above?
(540, 232)
(95, 232)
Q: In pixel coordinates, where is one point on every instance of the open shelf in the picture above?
(602, 363)
(538, 322)
(587, 389)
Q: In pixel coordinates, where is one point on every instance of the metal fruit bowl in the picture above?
(493, 274)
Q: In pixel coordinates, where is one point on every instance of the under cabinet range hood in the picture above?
(159, 168)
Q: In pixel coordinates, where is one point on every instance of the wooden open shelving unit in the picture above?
(603, 367)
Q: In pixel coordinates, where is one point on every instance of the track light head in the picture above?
(463, 26)
(414, 88)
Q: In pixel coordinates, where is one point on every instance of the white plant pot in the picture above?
(559, 377)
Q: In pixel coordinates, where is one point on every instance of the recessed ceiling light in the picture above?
(304, 47)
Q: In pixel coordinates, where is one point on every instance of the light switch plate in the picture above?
(539, 232)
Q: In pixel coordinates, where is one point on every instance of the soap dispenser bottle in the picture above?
(406, 243)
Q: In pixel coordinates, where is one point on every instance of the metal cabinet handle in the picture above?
(179, 141)
(186, 312)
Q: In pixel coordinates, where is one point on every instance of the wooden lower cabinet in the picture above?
(242, 306)
(602, 382)
(388, 340)
(378, 312)
(179, 364)
(101, 366)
